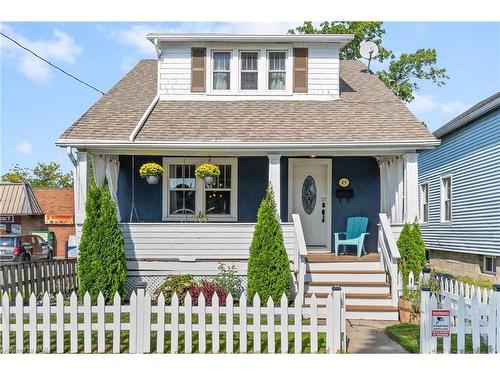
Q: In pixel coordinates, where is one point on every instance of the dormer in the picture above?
(248, 67)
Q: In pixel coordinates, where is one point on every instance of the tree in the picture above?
(403, 73)
(101, 262)
(268, 265)
(42, 175)
(412, 251)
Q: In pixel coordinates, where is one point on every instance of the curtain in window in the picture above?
(277, 66)
(112, 170)
(221, 61)
(99, 167)
(392, 189)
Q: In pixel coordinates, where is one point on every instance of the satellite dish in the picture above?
(369, 51)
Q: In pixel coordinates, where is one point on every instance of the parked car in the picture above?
(23, 248)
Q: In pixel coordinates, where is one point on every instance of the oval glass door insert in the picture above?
(309, 194)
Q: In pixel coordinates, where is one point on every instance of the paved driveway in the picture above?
(368, 336)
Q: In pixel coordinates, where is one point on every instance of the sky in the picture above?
(37, 102)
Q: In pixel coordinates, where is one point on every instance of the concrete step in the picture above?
(363, 312)
(370, 312)
(334, 276)
(372, 287)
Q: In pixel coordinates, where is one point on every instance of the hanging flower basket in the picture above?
(151, 172)
(208, 172)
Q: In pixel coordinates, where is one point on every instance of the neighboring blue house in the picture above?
(460, 193)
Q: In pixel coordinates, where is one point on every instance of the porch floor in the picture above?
(323, 257)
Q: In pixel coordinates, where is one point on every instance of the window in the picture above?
(182, 189)
(249, 70)
(489, 265)
(277, 70)
(424, 202)
(446, 199)
(185, 195)
(221, 70)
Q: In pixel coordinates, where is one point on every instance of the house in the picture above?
(267, 109)
(459, 194)
(25, 209)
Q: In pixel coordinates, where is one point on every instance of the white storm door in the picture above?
(310, 195)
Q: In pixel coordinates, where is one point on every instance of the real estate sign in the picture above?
(440, 324)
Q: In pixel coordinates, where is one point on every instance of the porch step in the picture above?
(372, 312)
(371, 287)
(354, 299)
(335, 276)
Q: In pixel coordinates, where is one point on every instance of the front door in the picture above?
(309, 196)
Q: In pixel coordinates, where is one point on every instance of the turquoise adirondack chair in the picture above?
(354, 235)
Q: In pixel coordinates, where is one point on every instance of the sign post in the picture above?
(440, 324)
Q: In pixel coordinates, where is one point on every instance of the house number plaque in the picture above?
(344, 182)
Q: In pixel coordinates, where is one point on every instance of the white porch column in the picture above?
(275, 180)
(81, 184)
(410, 187)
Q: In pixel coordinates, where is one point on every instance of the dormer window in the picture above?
(277, 70)
(249, 70)
(221, 70)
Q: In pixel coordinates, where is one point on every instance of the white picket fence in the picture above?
(473, 312)
(144, 327)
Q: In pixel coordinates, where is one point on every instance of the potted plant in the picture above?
(207, 172)
(152, 172)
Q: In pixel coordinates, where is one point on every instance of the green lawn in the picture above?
(124, 342)
(408, 335)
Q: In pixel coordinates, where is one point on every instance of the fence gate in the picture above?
(473, 318)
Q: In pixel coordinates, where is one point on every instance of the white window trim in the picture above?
(494, 262)
(231, 79)
(441, 198)
(287, 70)
(258, 71)
(421, 213)
(200, 190)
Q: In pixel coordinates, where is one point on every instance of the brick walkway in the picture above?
(368, 336)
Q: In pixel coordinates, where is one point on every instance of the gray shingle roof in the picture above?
(18, 199)
(366, 111)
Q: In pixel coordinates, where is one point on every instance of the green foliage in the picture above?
(180, 284)
(268, 266)
(412, 250)
(403, 73)
(488, 284)
(101, 263)
(42, 175)
(151, 169)
(207, 169)
(228, 279)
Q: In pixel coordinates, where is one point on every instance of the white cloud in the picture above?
(24, 147)
(59, 48)
(135, 35)
(428, 103)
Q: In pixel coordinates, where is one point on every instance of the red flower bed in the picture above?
(208, 289)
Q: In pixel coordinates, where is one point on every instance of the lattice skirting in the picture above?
(153, 282)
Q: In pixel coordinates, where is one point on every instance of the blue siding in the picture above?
(253, 175)
(252, 182)
(364, 174)
(148, 198)
(471, 155)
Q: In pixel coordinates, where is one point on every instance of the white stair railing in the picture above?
(299, 256)
(389, 254)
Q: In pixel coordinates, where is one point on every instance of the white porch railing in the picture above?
(299, 255)
(389, 252)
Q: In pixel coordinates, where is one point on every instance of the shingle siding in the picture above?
(471, 155)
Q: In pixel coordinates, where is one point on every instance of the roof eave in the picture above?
(462, 121)
(341, 39)
(253, 146)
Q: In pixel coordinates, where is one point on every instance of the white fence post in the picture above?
(425, 295)
(496, 297)
(5, 323)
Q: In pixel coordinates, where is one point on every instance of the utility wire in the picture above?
(52, 65)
